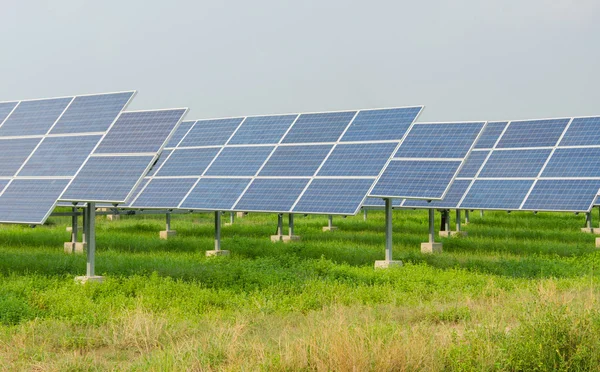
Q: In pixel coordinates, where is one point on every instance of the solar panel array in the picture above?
(43, 143)
(535, 165)
(299, 163)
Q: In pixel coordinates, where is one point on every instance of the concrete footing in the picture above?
(591, 230)
(88, 279)
(597, 242)
(78, 248)
(431, 247)
(166, 234)
(447, 234)
(216, 253)
(113, 217)
(284, 238)
(329, 228)
(240, 214)
(384, 264)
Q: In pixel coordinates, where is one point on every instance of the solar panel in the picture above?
(284, 163)
(43, 143)
(427, 161)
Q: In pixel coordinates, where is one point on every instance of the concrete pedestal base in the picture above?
(88, 279)
(284, 238)
(597, 242)
(447, 234)
(592, 230)
(113, 217)
(431, 247)
(217, 253)
(166, 234)
(327, 228)
(77, 248)
(240, 214)
(383, 264)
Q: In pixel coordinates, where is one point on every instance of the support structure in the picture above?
(330, 226)
(231, 219)
(279, 237)
(481, 213)
(89, 229)
(364, 214)
(447, 232)
(588, 225)
(74, 246)
(431, 246)
(466, 217)
(167, 233)
(217, 251)
(388, 262)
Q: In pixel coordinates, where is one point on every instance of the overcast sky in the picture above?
(462, 59)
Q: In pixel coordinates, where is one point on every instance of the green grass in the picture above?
(519, 293)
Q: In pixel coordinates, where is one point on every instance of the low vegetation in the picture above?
(520, 293)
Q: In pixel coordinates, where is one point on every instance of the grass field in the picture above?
(520, 293)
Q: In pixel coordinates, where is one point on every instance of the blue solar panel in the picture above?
(239, 161)
(215, 193)
(473, 164)
(582, 132)
(214, 132)
(262, 129)
(295, 160)
(94, 113)
(107, 178)
(322, 127)
(334, 196)
(188, 162)
(30, 201)
(181, 131)
(380, 125)
(159, 162)
(515, 163)
(60, 156)
(444, 140)
(416, 179)
(533, 133)
(164, 193)
(563, 195)
(496, 194)
(380, 203)
(133, 195)
(13, 152)
(363, 159)
(5, 109)
(34, 117)
(490, 134)
(141, 131)
(574, 162)
(451, 200)
(3, 184)
(271, 195)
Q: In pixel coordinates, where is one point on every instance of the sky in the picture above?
(462, 59)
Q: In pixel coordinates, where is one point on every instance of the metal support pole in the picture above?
(90, 236)
(364, 214)
(291, 224)
(74, 227)
(168, 221)
(330, 221)
(442, 220)
(447, 221)
(280, 224)
(481, 213)
(458, 220)
(388, 229)
(588, 220)
(231, 217)
(466, 217)
(431, 226)
(84, 220)
(217, 231)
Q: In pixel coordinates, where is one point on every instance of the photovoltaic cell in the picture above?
(140, 131)
(210, 132)
(30, 200)
(164, 192)
(320, 127)
(562, 195)
(574, 162)
(107, 178)
(362, 159)
(184, 127)
(473, 164)
(514, 163)
(239, 161)
(93, 113)
(490, 134)
(262, 129)
(416, 179)
(60, 156)
(582, 132)
(496, 194)
(334, 196)
(215, 194)
(301, 160)
(5, 109)
(533, 133)
(188, 162)
(13, 152)
(271, 194)
(444, 140)
(380, 125)
(34, 117)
